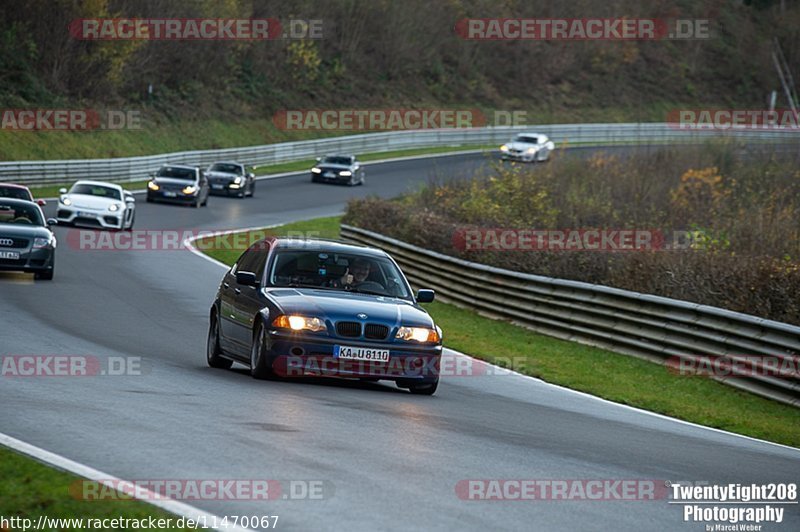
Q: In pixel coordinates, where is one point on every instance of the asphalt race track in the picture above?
(388, 460)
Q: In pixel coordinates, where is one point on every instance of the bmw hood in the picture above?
(336, 305)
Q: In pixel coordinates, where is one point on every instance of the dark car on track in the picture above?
(231, 179)
(342, 169)
(9, 190)
(26, 242)
(179, 184)
(318, 308)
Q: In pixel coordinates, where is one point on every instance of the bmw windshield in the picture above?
(338, 271)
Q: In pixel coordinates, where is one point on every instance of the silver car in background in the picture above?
(527, 148)
(342, 169)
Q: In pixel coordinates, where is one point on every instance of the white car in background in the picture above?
(528, 147)
(97, 204)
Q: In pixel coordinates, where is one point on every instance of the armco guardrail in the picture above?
(646, 326)
(138, 168)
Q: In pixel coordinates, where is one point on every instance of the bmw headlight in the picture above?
(299, 323)
(504, 148)
(530, 151)
(316, 170)
(237, 181)
(113, 207)
(191, 189)
(152, 185)
(346, 173)
(65, 201)
(418, 334)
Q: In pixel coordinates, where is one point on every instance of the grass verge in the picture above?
(609, 375)
(31, 489)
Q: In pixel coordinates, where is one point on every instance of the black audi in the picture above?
(317, 308)
(26, 242)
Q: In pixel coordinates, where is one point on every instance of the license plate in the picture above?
(83, 214)
(360, 353)
(170, 194)
(9, 255)
(217, 187)
(329, 174)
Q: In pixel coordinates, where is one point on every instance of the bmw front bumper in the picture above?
(303, 355)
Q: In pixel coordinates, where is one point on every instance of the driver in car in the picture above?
(356, 274)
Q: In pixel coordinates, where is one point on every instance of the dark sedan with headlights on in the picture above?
(342, 169)
(179, 184)
(318, 308)
(231, 179)
(26, 242)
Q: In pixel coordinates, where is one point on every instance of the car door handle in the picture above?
(237, 290)
(226, 285)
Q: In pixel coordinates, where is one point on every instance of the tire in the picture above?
(44, 275)
(253, 189)
(133, 221)
(424, 389)
(197, 203)
(363, 179)
(213, 351)
(260, 367)
(205, 201)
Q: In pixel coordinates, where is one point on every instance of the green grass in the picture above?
(218, 247)
(616, 377)
(30, 489)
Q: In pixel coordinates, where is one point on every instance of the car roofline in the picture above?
(301, 243)
(100, 183)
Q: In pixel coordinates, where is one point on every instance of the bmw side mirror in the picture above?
(251, 175)
(319, 159)
(41, 203)
(52, 221)
(246, 279)
(425, 295)
(62, 190)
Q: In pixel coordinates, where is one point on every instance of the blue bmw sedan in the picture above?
(305, 308)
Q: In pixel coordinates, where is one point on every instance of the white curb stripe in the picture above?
(65, 464)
